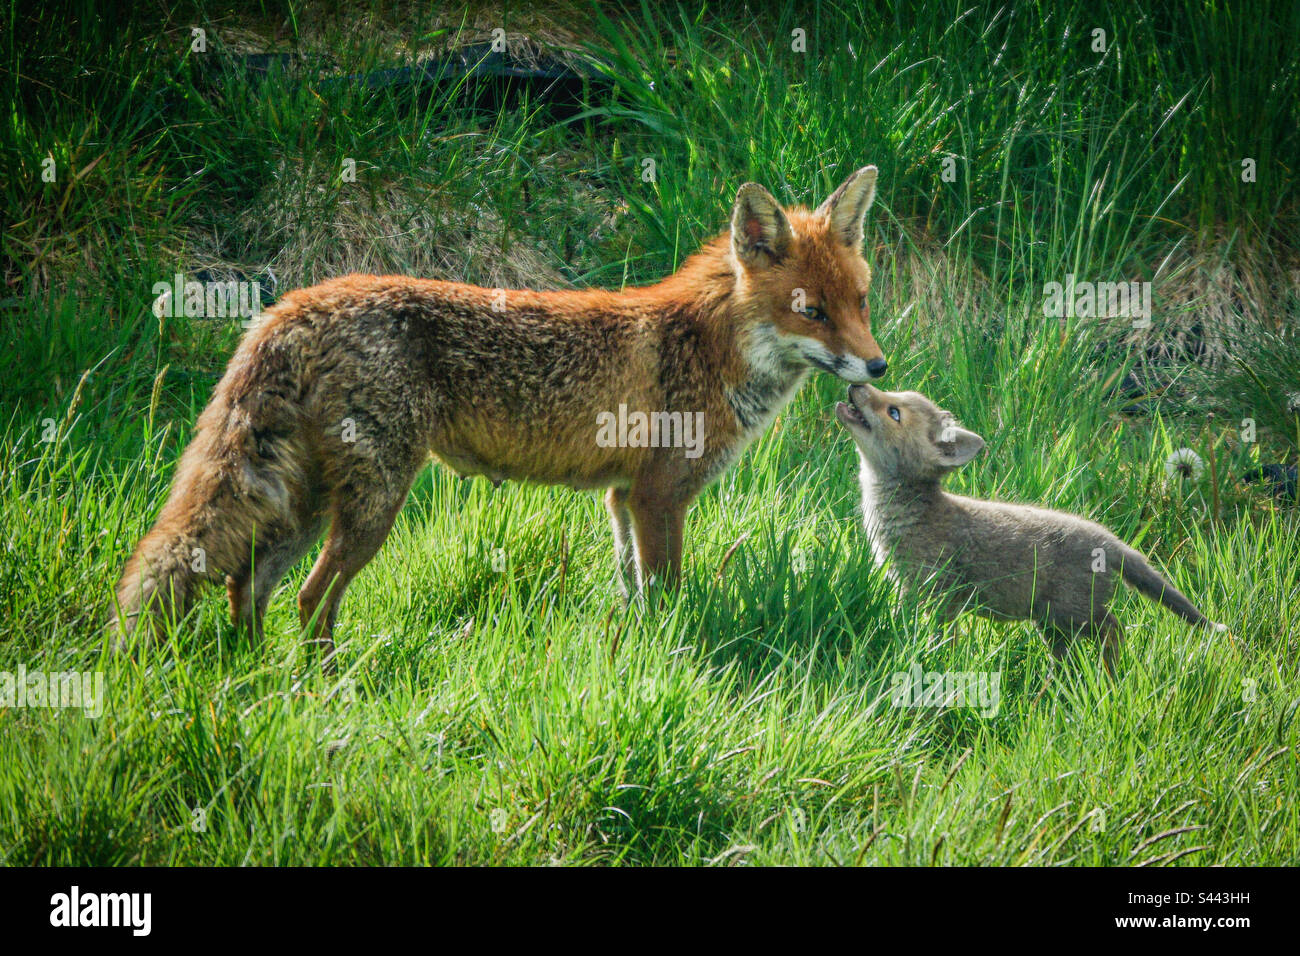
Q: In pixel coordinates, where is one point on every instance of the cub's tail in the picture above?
(1149, 582)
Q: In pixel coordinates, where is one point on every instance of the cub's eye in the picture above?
(895, 414)
(814, 314)
(862, 306)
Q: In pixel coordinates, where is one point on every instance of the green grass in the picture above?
(523, 715)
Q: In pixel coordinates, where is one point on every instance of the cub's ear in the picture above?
(848, 205)
(955, 445)
(760, 232)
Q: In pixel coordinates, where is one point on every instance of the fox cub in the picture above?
(1002, 560)
(336, 399)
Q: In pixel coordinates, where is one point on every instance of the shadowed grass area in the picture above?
(496, 702)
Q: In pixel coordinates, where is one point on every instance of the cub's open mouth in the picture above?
(849, 415)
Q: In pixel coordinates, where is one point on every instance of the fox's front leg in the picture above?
(620, 521)
(658, 520)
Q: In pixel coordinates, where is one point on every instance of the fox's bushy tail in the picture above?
(197, 537)
(233, 486)
(1139, 574)
(157, 584)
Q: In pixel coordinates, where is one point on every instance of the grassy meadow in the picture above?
(495, 702)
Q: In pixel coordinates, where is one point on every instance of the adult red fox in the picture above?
(336, 398)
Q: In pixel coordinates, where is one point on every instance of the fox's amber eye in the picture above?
(895, 414)
(814, 314)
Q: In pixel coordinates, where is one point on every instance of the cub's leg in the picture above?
(1105, 630)
(1059, 635)
(1110, 634)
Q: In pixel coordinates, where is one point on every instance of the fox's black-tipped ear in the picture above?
(760, 232)
(848, 205)
(956, 446)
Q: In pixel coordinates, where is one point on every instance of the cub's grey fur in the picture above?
(998, 559)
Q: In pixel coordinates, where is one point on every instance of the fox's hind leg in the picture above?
(360, 519)
(241, 604)
(250, 592)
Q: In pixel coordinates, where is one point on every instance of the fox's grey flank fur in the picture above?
(999, 559)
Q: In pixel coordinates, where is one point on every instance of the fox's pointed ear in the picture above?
(760, 232)
(955, 445)
(848, 205)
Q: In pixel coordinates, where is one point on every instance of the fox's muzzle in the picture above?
(858, 371)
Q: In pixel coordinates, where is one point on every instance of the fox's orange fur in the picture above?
(506, 384)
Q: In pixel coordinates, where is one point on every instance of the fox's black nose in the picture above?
(877, 367)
